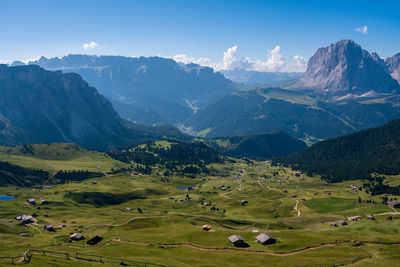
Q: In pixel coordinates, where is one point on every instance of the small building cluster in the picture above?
(354, 218)
(26, 219)
(262, 238)
(32, 201)
(208, 228)
(340, 222)
(49, 227)
(355, 188)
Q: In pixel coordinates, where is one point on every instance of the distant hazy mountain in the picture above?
(257, 77)
(39, 106)
(262, 146)
(157, 85)
(393, 66)
(273, 109)
(344, 68)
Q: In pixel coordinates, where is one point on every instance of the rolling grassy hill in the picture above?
(53, 157)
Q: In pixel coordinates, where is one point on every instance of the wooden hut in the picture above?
(236, 240)
(95, 240)
(265, 239)
(77, 237)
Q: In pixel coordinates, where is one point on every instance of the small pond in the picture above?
(184, 187)
(6, 197)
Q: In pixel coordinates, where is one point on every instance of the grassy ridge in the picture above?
(53, 157)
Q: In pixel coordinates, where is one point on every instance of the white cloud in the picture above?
(25, 61)
(230, 60)
(299, 65)
(274, 61)
(90, 45)
(363, 29)
(3, 61)
(185, 59)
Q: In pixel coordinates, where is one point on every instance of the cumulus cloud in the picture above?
(274, 61)
(90, 45)
(25, 61)
(363, 29)
(231, 60)
(185, 59)
(4, 61)
(299, 64)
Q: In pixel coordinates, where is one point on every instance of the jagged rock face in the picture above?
(52, 106)
(345, 68)
(393, 66)
(132, 78)
(167, 92)
(39, 106)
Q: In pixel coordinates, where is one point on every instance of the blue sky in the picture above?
(196, 29)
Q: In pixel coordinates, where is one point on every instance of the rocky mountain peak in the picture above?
(345, 68)
(393, 66)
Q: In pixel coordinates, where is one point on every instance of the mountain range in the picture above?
(163, 90)
(40, 106)
(275, 109)
(344, 89)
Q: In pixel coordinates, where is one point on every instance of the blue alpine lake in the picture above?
(6, 198)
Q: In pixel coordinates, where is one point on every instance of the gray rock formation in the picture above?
(39, 106)
(393, 66)
(345, 68)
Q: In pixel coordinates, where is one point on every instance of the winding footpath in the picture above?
(240, 185)
(296, 208)
(198, 247)
(50, 177)
(164, 216)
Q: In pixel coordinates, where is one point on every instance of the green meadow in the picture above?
(148, 218)
(56, 157)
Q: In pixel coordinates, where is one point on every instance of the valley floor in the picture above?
(164, 226)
